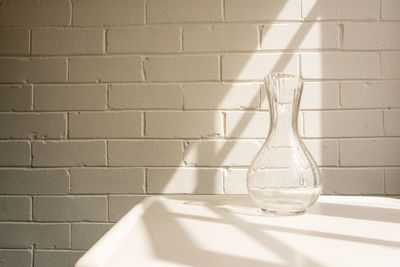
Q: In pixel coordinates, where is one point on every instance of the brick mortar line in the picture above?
(179, 139)
(244, 81)
(237, 82)
(223, 10)
(220, 79)
(32, 256)
(59, 249)
(107, 160)
(71, 17)
(145, 181)
(384, 182)
(147, 195)
(30, 42)
(105, 38)
(107, 96)
(165, 167)
(301, 10)
(249, 52)
(145, 12)
(202, 23)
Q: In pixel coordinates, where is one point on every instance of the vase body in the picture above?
(283, 178)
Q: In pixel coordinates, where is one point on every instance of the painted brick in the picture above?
(34, 181)
(256, 10)
(324, 152)
(390, 9)
(67, 41)
(235, 181)
(15, 208)
(15, 153)
(70, 97)
(220, 153)
(51, 258)
(15, 97)
(75, 256)
(70, 208)
(377, 94)
(220, 38)
(340, 9)
(247, 124)
(148, 39)
(370, 152)
(382, 35)
(221, 96)
(33, 70)
(392, 122)
(340, 65)
(257, 66)
(33, 125)
(184, 181)
(40, 235)
(352, 181)
(343, 123)
(35, 13)
(85, 235)
(146, 96)
(104, 12)
(109, 124)
(190, 124)
(105, 181)
(144, 153)
(264, 101)
(14, 41)
(392, 181)
(181, 68)
(390, 65)
(160, 11)
(300, 36)
(16, 258)
(69, 153)
(120, 205)
(105, 69)
(320, 95)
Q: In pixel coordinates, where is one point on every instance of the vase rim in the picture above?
(282, 75)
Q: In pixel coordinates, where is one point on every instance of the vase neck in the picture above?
(284, 117)
(284, 93)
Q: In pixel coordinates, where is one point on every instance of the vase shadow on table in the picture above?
(172, 242)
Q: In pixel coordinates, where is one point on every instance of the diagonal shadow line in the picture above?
(282, 63)
(291, 255)
(372, 241)
(241, 125)
(184, 250)
(198, 185)
(357, 212)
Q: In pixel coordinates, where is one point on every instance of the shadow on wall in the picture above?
(235, 151)
(223, 123)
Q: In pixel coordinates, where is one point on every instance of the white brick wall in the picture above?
(103, 102)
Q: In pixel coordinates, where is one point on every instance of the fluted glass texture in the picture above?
(283, 178)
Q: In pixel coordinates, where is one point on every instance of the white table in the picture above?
(229, 231)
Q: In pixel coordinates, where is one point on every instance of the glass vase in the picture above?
(283, 178)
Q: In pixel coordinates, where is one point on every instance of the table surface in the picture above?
(228, 230)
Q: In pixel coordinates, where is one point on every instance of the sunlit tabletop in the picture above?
(227, 230)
